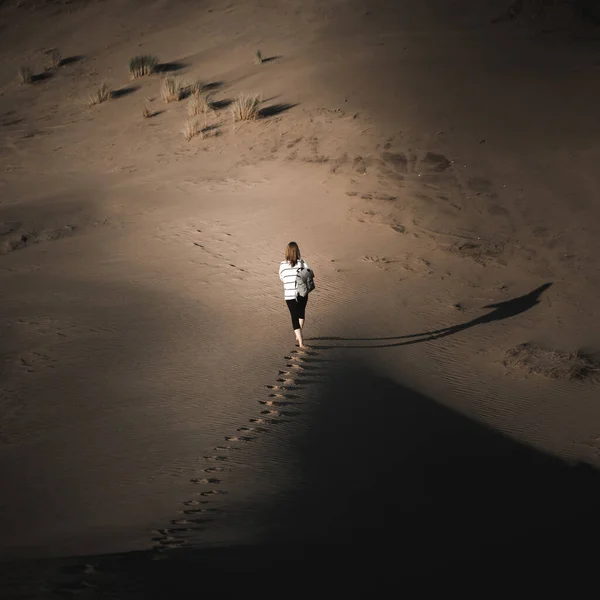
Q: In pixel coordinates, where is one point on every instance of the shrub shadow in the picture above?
(122, 92)
(169, 67)
(274, 109)
(213, 85)
(43, 76)
(219, 104)
(69, 60)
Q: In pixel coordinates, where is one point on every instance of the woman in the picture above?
(296, 304)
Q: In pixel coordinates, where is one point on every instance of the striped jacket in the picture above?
(287, 274)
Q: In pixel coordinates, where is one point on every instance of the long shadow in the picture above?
(124, 91)
(43, 76)
(274, 109)
(384, 484)
(170, 67)
(502, 310)
(69, 60)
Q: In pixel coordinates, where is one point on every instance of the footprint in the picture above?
(213, 493)
(276, 403)
(217, 470)
(240, 438)
(231, 448)
(254, 429)
(206, 480)
(218, 458)
(194, 502)
(271, 413)
(261, 421)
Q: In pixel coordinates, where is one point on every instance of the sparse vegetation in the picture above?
(25, 75)
(192, 128)
(101, 94)
(171, 89)
(146, 112)
(552, 364)
(245, 107)
(259, 58)
(142, 65)
(200, 103)
(55, 58)
(197, 87)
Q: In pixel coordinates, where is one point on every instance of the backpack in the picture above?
(304, 280)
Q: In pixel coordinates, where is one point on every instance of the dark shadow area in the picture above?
(270, 59)
(10, 122)
(169, 67)
(502, 310)
(43, 76)
(274, 109)
(219, 104)
(69, 60)
(211, 128)
(122, 92)
(213, 85)
(391, 485)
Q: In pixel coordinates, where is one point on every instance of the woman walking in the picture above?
(295, 303)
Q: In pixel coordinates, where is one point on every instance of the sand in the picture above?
(438, 169)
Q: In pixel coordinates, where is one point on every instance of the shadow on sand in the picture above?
(502, 310)
(390, 485)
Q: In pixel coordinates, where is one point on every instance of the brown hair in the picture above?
(292, 253)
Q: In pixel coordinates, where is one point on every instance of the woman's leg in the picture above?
(293, 308)
(302, 310)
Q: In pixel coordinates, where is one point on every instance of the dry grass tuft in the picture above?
(192, 129)
(200, 103)
(55, 58)
(245, 108)
(196, 87)
(171, 89)
(259, 58)
(552, 364)
(101, 94)
(146, 112)
(25, 75)
(142, 65)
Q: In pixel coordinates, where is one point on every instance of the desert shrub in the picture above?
(200, 103)
(191, 129)
(100, 94)
(171, 89)
(25, 75)
(55, 58)
(245, 107)
(142, 65)
(197, 86)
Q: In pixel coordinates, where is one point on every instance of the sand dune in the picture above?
(437, 166)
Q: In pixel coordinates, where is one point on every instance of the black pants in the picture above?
(297, 309)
